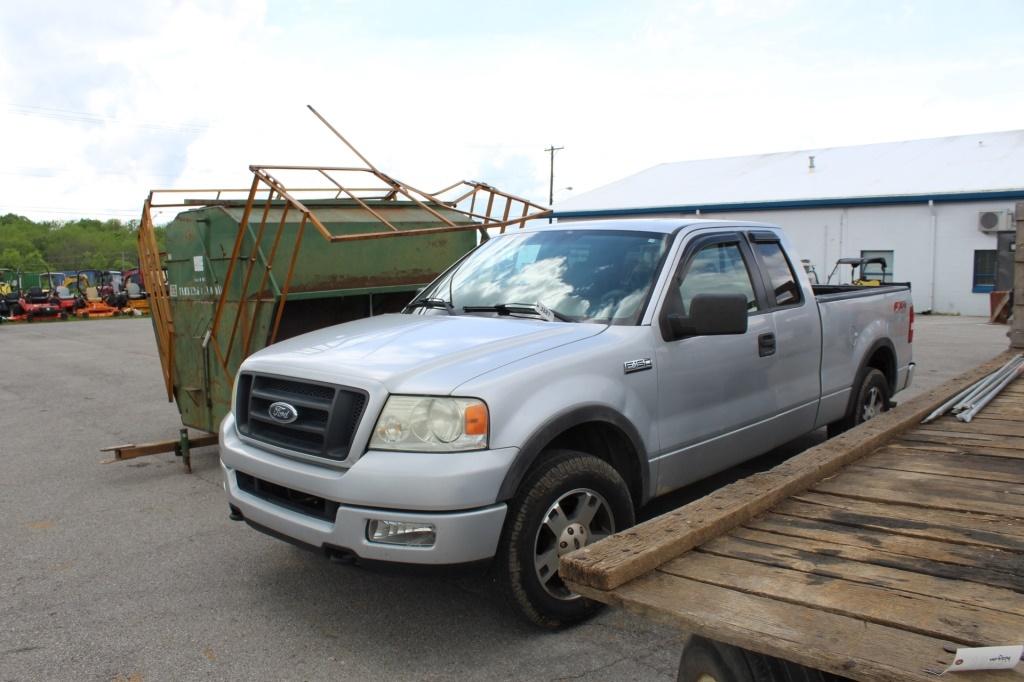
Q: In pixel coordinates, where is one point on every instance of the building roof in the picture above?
(960, 168)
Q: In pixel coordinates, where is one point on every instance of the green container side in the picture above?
(331, 282)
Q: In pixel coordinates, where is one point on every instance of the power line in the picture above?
(42, 172)
(95, 119)
(71, 210)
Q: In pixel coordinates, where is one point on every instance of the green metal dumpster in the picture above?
(236, 275)
(330, 284)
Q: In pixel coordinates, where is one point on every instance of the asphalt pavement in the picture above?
(132, 570)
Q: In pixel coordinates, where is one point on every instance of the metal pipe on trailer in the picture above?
(963, 395)
(985, 384)
(968, 415)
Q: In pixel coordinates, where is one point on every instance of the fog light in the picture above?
(410, 533)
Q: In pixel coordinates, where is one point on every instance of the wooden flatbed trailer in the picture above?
(872, 556)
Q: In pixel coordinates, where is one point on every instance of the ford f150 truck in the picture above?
(547, 385)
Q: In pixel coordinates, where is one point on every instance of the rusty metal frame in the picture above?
(371, 188)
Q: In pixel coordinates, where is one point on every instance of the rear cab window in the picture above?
(782, 283)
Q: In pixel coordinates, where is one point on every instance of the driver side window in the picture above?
(717, 269)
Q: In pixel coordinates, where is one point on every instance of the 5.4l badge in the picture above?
(631, 366)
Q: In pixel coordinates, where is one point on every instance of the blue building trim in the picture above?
(799, 203)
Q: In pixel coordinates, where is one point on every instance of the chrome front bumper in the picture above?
(453, 491)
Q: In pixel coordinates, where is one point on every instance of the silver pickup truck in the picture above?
(547, 385)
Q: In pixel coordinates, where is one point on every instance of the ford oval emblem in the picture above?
(282, 412)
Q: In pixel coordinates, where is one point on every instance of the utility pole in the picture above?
(551, 176)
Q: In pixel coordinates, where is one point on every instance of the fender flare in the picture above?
(531, 450)
(880, 343)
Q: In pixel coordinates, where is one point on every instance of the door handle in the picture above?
(766, 344)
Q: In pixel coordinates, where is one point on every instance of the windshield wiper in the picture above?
(432, 303)
(538, 309)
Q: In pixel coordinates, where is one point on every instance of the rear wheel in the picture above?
(572, 500)
(871, 400)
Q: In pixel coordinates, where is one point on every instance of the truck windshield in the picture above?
(600, 276)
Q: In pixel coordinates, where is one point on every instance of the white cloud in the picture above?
(190, 93)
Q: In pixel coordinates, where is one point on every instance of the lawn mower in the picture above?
(49, 281)
(135, 289)
(35, 304)
(86, 287)
(856, 263)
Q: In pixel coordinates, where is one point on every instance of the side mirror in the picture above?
(711, 315)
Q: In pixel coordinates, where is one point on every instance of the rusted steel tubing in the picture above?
(244, 295)
(237, 249)
(267, 264)
(451, 186)
(418, 231)
(288, 279)
(362, 203)
(250, 265)
(425, 206)
(149, 261)
(340, 136)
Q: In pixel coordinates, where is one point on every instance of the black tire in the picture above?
(870, 400)
(703, 659)
(571, 478)
(16, 309)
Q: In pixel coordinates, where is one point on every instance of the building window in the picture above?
(984, 271)
(874, 270)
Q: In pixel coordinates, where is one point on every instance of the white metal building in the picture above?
(932, 207)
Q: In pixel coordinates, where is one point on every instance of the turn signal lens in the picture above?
(476, 420)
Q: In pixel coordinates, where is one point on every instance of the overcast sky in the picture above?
(102, 100)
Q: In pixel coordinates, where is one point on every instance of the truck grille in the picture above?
(326, 416)
(304, 503)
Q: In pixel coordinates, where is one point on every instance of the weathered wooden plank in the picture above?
(963, 592)
(826, 641)
(631, 553)
(927, 490)
(1000, 567)
(978, 467)
(964, 528)
(867, 553)
(953, 432)
(921, 527)
(992, 427)
(943, 446)
(925, 615)
(999, 415)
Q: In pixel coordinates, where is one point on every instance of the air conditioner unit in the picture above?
(993, 221)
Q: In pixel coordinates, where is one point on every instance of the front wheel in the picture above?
(870, 400)
(571, 500)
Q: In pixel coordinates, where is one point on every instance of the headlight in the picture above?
(425, 424)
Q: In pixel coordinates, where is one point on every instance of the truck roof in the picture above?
(666, 225)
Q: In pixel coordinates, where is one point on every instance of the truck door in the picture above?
(795, 376)
(714, 392)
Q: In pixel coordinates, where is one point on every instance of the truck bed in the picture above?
(835, 292)
(866, 556)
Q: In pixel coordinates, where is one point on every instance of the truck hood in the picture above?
(417, 354)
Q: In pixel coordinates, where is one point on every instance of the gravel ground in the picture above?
(132, 571)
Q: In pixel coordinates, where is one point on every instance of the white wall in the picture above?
(822, 235)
